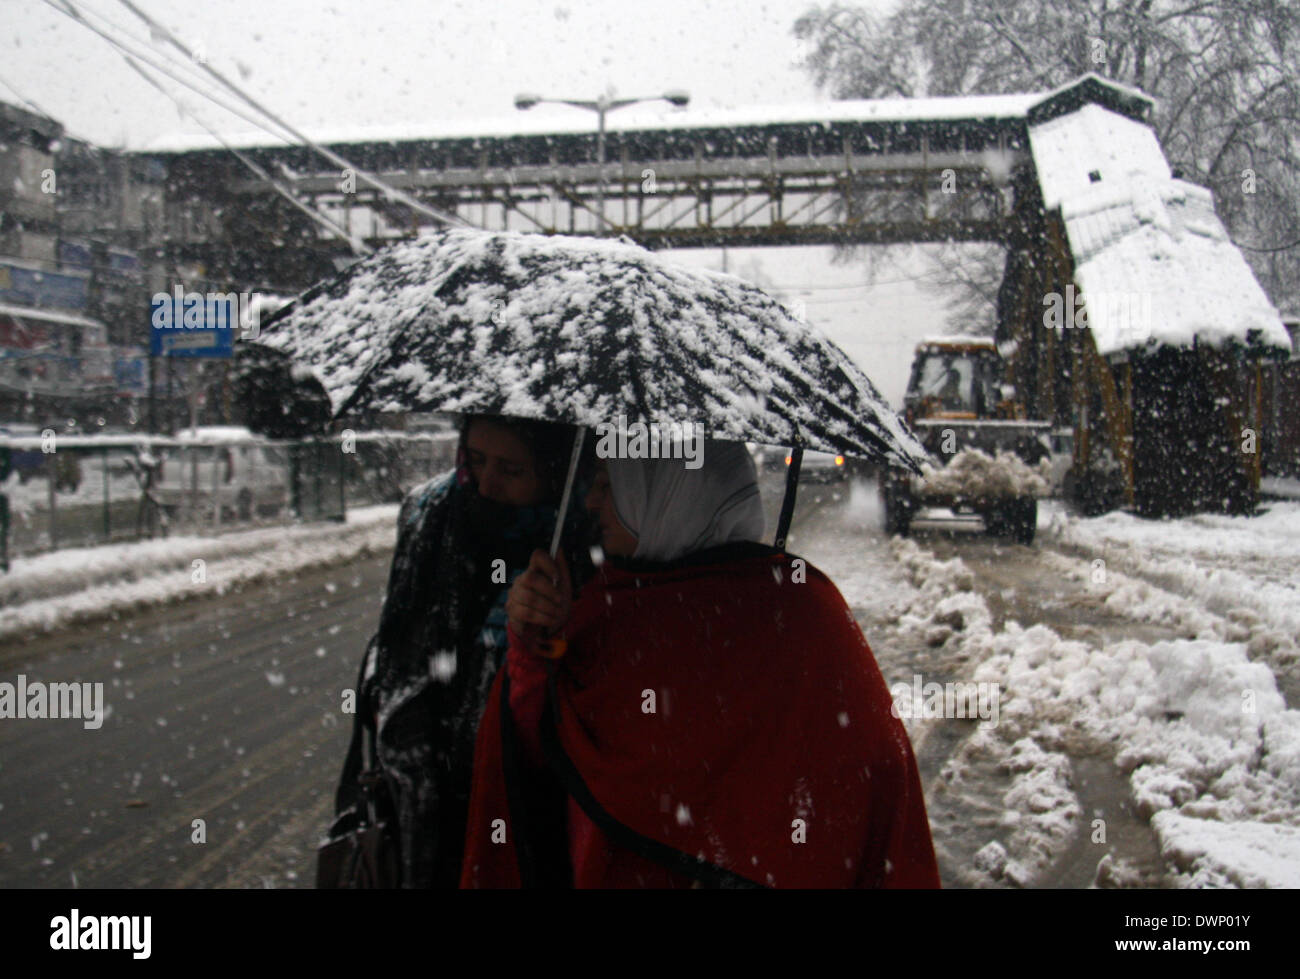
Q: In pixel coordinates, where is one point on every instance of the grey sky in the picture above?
(381, 62)
(395, 61)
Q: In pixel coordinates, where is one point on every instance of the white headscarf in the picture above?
(674, 511)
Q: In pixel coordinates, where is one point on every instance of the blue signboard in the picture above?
(33, 287)
(193, 325)
(76, 253)
(123, 265)
(119, 263)
(131, 375)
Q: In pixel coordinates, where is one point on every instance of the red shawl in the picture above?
(720, 723)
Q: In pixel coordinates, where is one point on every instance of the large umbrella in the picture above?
(583, 331)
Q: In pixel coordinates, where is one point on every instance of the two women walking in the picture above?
(699, 709)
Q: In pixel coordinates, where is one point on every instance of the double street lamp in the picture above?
(601, 107)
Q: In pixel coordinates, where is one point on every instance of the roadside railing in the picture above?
(78, 491)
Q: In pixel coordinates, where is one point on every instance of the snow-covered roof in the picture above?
(1092, 76)
(1152, 259)
(1093, 140)
(556, 121)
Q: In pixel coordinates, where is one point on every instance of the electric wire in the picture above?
(357, 246)
(66, 8)
(392, 193)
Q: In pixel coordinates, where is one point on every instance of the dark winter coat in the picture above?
(440, 641)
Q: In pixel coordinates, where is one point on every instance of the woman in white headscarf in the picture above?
(673, 511)
(705, 713)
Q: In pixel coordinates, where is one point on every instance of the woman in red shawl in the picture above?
(705, 713)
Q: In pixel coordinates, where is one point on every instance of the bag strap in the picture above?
(349, 789)
(536, 802)
(697, 868)
(514, 796)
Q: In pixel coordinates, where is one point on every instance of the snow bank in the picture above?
(1286, 487)
(973, 473)
(1246, 569)
(1140, 601)
(56, 590)
(1242, 854)
(1200, 729)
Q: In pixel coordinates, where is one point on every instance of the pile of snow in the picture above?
(1285, 487)
(956, 339)
(944, 603)
(1244, 854)
(1200, 729)
(56, 590)
(974, 473)
(1246, 569)
(1140, 601)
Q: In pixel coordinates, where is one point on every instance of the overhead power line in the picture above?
(25, 100)
(392, 193)
(67, 8)
(358, 247)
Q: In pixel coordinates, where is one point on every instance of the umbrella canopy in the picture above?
(583, 331)
(277, 398)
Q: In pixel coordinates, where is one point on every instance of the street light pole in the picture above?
(602, 106)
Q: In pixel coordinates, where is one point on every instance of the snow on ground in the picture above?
(1238, 855)
(1038, 808)
(1198, 726)
(866, 577)
(1286, 487)
(1140, 601)
(1244, 568)
(55, 590)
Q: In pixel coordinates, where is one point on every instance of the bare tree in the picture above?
(1225, 74)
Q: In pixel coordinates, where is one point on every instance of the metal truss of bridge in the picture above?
(1072, 183)
(882, 171)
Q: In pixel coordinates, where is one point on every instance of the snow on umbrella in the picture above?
(580, 330)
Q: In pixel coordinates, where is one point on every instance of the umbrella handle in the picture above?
(568, 490)
(791, 489)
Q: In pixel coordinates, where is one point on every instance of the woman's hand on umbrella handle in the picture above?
(541, 598)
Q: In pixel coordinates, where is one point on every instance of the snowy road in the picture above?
(228, 710)
(1122, 668)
